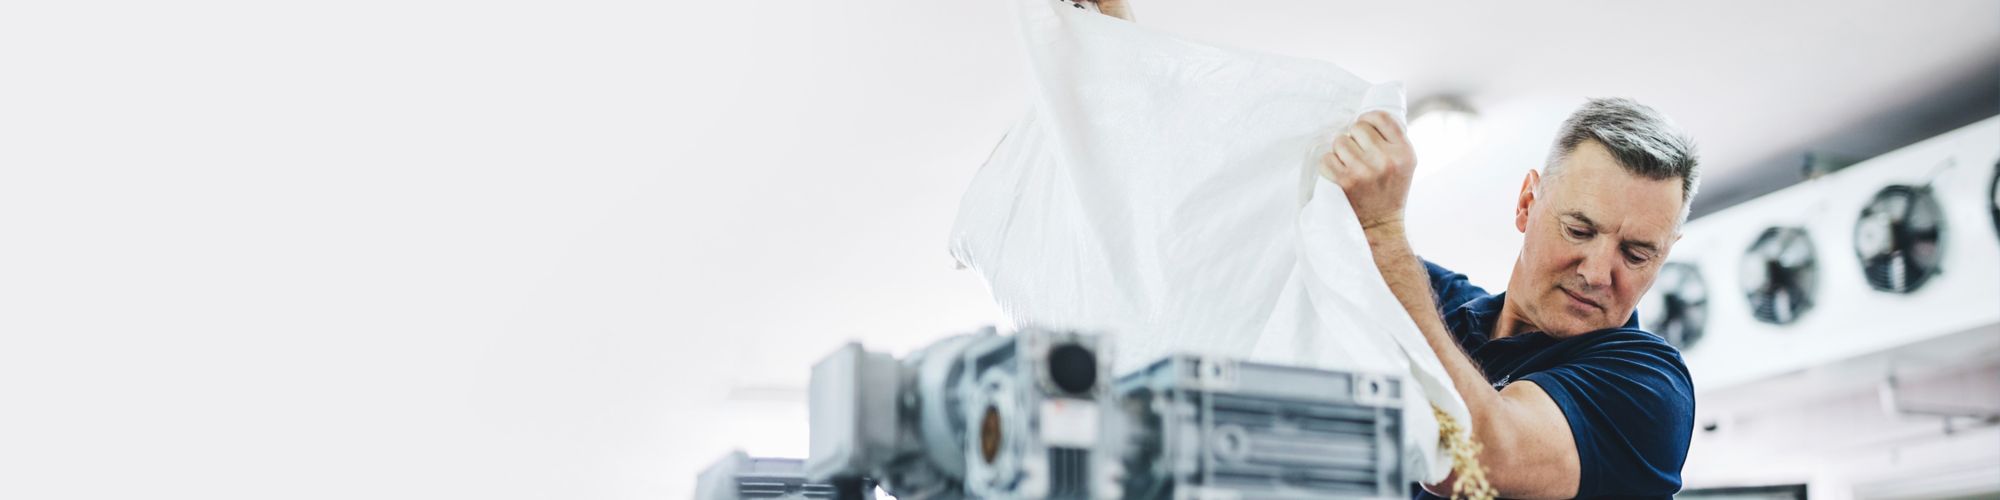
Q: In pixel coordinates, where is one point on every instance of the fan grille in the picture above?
(1779, 275)
(1993, 197)
(1898, 238)
(1679, 306)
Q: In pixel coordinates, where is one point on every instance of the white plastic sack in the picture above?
(1165, 192)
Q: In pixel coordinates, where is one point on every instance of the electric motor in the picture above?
(980, 415)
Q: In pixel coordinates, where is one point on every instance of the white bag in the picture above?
(1165, 192)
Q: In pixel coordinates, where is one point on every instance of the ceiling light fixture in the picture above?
(1443, 129)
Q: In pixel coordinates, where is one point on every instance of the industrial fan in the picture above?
(1993, 196)
(1897, 238)
(1779, 275)
(1677, 306)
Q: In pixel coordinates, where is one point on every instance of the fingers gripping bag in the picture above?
(1165, 192)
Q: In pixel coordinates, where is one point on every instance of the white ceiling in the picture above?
(467, 249)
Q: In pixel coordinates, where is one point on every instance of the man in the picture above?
(1568, 396)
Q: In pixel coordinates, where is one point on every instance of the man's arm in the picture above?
(1527, 447)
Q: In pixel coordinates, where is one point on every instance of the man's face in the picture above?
(1593, 240)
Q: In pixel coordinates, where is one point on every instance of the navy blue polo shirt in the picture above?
(1625, 391)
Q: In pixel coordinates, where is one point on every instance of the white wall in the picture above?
(453, 249)
(1827, 427)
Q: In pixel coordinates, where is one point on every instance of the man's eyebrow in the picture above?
(1585, 220)
(1578, 215)
(1641, 244)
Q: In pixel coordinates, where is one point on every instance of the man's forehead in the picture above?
(1640, 212)
(1593, 169)
(1590, 175)
(1640, 232)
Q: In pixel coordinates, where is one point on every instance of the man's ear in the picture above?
(1527, 200)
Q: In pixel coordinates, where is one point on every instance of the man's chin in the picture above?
(1574, 326)
(1570, 321)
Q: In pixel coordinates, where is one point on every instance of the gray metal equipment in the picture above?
(740, 477)
(971, 416)
(1216, 429)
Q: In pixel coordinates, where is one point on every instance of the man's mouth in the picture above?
(1580, 298)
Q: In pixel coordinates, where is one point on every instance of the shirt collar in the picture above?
(1485, 313)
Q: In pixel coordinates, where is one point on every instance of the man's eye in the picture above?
(1577, 233)
(1635, 258)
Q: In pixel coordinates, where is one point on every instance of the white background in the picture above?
(443, 249)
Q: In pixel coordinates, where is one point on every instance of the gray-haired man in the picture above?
(1568, 396)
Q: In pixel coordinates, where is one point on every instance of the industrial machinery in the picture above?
(1780, 275)
(1897, 238)
(1676, 307)
(1993, 197)
(740, 477)
(979, 416)
(1208, 428)
(1034, 415)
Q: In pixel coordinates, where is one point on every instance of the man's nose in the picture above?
(1596, 268)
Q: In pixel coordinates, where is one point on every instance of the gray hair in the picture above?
(1643, 141)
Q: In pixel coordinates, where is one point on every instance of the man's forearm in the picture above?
(1411, 285)
(1518, 460)
(1527, 450)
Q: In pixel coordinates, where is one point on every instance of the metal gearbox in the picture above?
(741, 477)
(1217, 429)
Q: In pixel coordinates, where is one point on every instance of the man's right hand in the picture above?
(1114, 8)
(1373, 162)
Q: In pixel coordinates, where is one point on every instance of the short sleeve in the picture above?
(1630, 405)
(1450, 288)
